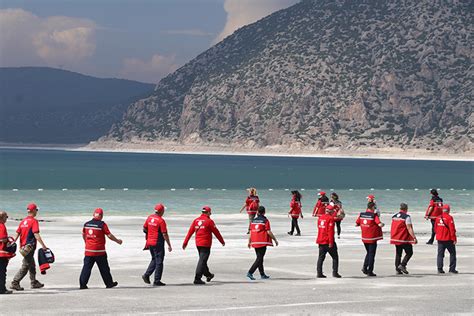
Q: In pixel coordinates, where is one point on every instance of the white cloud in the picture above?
(26, 39)
(188, 32)
(244, 12)
(149, 71)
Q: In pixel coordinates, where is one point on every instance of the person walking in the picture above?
(326, 242)
(295, 212)
(251, 205)
(447, 239)
(320, 207)
(371, 198)
(260, 237)
(371, 228)
(29, 233)
(5, 255)
(156, 234)
(204, 227)
(94, 233)
(435, 209)
(339, 213)
(403, 237)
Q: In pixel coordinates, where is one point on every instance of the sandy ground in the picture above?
(292, 289)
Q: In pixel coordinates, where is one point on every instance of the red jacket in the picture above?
(204, 227)
(94, 233)
(259, 232)
(437, 203)
(3, 245)
(295, 209)
(445, 229)
(154, 228)
(369, 224)
(325, 230)
(251, 204)
(337, 211)
(320, 207)
(399, 231)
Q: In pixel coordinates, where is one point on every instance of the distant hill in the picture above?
(323, 75)
(46, 105)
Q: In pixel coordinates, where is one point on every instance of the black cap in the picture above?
(434, 192)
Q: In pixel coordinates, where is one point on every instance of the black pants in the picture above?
(398, 254)
(294, 225)
(104, 269)
(202, 268)
(156, 263)
(433, 233)
(442, 246)
(3, 274)
(338, 227)
(323, 250)
(258, 264)
(369, 260)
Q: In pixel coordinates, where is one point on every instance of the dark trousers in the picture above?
(398, 254)
(202, 268)
(104, 269)
(323, 250)
(294, 225)
(156, 263)
(28, 265)
(442, 246)
(338, 227)
(3, 274)
(369, 260)
(258, 264)
(433, 233)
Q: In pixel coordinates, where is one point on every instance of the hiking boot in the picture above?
(114, 284)
(209, 278)
(36, 285)
(264, 277)
(290, 233)
(250, 276)
(403, 269)
(159, 283)
(429, 242)
(453, 271)
(83, 287)
(398, 271)
(336, 275)
(199, 282)
(322, 276)
(364, 271)
(16, 286)
(298, 234)
(371, 274)
(146, 279)
(440, 271)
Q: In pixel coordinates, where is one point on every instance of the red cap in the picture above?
(322, 193)
(371, 196)
(206, 208)
(330, 207)
(32, 207)
(98, 212)
(446, 208)
(159, 207)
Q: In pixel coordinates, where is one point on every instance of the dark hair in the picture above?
(334, 194)
(261, 210)
(403, 206)
(370, 205)
(297, 195)
(434, 192)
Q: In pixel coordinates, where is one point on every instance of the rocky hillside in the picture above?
(323, 74)
(46, 105)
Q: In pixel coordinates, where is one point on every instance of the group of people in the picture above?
(328, 212)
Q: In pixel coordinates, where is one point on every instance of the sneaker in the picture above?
(83, 287)
(440, 271)
(199, 282)
(250, 276)
(398, 271)
(264, 277)
(298, 234)
(371, 274)
(114, 284)
(454, 271)
(209, 278)
(6, 292)
(403, 269)
(290, 233)
(159, 283)
(146, 279)
(36, 285)
(364, 271)
(322, 276)
(336, 275)
(429, 242)
(16, 286)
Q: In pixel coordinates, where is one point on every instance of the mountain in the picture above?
(46, 105)
(323, 75)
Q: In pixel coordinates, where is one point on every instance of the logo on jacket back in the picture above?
(25, 223)
(365, 221)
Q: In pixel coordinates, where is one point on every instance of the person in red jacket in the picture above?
(402, 236)
(446, 237)
(204, 227)
(371, 198)
(156, 234)
(339, 213)
(94, 233)
(260, 237)
(435, 209)
(29, 234)
(5, 255)
(326, 242)
(371, 228)
(251, 205)
(320, 207)
(295, 212)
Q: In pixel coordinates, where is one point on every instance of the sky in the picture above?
(141, 40)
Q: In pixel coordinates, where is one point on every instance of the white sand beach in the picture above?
(292, 289)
